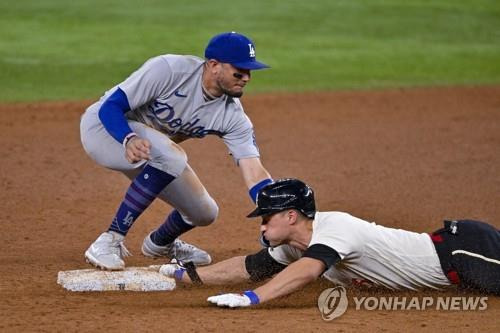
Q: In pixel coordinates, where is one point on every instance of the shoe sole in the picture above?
(155, 256)
(205, 263)
(150, 253)
(89, 258)
(147, 252)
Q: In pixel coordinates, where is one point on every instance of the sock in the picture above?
(143, 190)
(173, 227)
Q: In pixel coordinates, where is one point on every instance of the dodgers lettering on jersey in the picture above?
(162, 116)
(166, 94)
(372, 254)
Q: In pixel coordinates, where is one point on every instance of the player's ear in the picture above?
(212, 64)
(292, 216)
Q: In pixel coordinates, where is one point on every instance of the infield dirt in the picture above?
(405, 158)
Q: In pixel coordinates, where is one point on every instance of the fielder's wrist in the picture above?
(128, 138)
(254, 299)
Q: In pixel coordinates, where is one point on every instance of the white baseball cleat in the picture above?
(107, 251)
(178, 249)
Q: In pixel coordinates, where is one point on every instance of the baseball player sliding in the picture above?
(136, 126)
(306, 244)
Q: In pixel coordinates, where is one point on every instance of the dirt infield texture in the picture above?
(404, 158)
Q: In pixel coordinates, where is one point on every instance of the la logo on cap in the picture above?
(252, 51)
(235, 49)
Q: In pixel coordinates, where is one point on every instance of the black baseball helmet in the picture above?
(285, 194)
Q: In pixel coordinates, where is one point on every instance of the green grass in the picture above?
(55, 49)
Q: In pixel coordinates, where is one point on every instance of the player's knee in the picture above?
(170, 158)
(207, 215)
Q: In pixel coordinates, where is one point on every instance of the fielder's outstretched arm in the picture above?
(254, 174)
(253, 171)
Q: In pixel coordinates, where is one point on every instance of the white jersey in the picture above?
(166, 94)
(372, 254)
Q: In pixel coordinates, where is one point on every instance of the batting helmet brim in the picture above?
(262, 211)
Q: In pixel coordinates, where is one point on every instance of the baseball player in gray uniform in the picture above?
(136, 128)
(306, 244)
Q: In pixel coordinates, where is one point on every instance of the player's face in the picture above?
(275, 228)
(232, 80)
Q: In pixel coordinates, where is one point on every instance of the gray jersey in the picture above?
(166, 94)
(372, 254)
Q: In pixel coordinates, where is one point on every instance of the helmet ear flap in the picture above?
(309, 204)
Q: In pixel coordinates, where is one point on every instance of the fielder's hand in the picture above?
(137, 149)
(235, 300)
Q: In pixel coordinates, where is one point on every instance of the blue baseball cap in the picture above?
(235, 49)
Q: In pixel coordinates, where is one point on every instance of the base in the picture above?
(132, 278)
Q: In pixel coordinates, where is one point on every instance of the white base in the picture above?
(132, 278)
